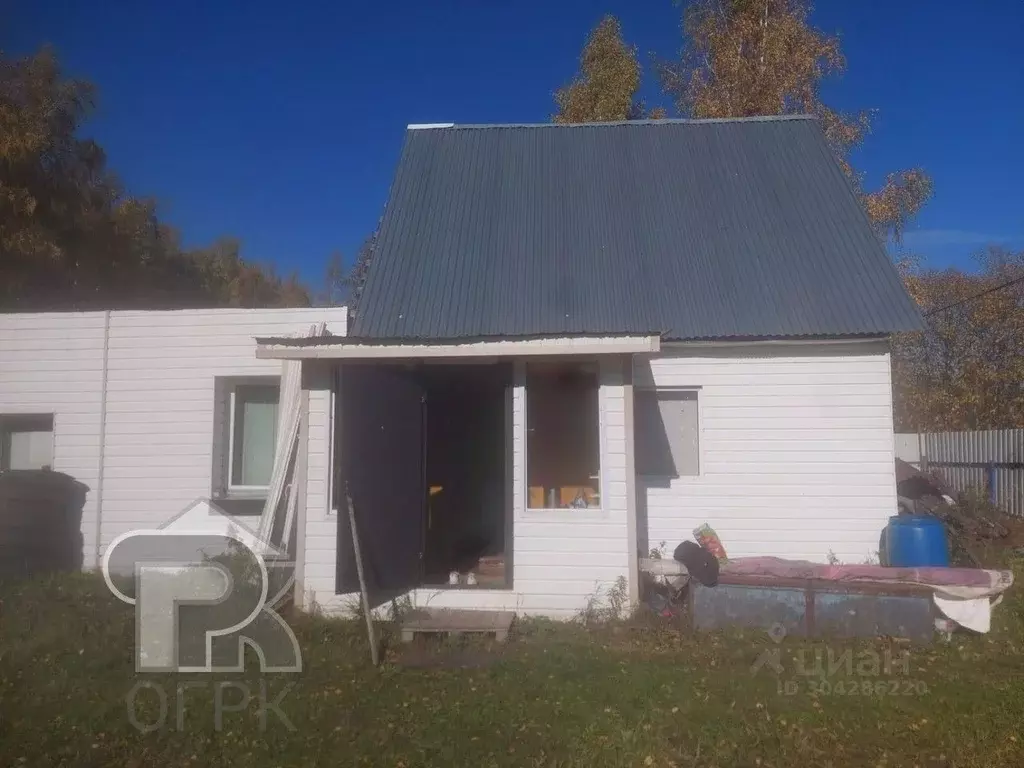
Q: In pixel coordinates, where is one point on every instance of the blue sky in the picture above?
(281, 123)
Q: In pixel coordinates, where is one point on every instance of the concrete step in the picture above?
(456, 622)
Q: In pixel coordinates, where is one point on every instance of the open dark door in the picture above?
(466, 529)
(381, 439)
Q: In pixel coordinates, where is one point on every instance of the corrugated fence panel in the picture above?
(994, 445)
(992, 460)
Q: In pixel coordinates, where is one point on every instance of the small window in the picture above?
(26, 441)
(253, 436)
(563, 454)
(666, 434)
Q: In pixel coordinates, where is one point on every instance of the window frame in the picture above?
(335, 476)
(565, 514)
(655, 390)
(16, 422)
(239, 490)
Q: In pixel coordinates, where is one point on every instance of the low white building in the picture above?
(575, 344)
(137, 406)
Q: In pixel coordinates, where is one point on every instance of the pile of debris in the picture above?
(980, 532)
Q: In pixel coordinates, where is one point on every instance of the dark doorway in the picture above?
(425, 451)
(468, 500)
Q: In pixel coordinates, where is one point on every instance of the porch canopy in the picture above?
(353, 348)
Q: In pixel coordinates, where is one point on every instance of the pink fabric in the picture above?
(804, 569)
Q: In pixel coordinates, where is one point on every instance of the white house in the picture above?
(575, 344)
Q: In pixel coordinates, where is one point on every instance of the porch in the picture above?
(497, 482)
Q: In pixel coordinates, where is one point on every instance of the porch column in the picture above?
(631, 516)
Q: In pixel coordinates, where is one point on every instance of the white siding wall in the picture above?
(53, 363)
(319, 567)
(796, 450)
(160, 402)
(561, 558)
(160, 398)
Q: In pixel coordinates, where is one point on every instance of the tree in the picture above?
(345, 287)
(743, 58)
(71, 238)
(609, 77)
(334, 290)
(225, 279)
(967, 370)
(54, 190)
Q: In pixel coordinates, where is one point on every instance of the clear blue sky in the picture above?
(281, 123)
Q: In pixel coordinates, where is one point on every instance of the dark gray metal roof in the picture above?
(692, 229)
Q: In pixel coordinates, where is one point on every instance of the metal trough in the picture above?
(816, 607)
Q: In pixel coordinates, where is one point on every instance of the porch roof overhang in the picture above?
(350, 348)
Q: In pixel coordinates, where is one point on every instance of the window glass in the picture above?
(26, 442)
(563, 445)
(254, 435)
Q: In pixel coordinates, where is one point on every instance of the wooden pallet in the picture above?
(437, 621)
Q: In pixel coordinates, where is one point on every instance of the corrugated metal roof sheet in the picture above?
(693, 229)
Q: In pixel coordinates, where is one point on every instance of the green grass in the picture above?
(557, 695)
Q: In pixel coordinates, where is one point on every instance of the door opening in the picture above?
(467, 541)
(426, 454)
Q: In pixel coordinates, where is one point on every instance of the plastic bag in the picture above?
(707, 538)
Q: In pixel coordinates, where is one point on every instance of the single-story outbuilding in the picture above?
(575, 344)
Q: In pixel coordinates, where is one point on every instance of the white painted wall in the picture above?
(318, 568)
(160, 400)
(796, 449)
(53, 363)
(561, 558)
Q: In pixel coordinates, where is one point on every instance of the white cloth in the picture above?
(999, 582)
(971, 607)
(974, 613)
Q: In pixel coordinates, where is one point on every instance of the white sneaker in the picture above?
(453, 578)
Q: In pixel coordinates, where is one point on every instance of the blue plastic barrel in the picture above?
(915, 541)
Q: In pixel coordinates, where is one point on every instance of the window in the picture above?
(666, 433)
(253, 436)
(563, 454)
(26, 441)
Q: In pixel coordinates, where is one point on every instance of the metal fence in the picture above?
(991, 460)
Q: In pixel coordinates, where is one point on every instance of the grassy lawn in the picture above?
(556, 695)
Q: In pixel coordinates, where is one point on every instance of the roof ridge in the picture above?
(663, 121)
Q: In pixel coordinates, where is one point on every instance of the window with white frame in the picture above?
(563, 447)
(26, 441)
(666, 432)
(252, 432)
